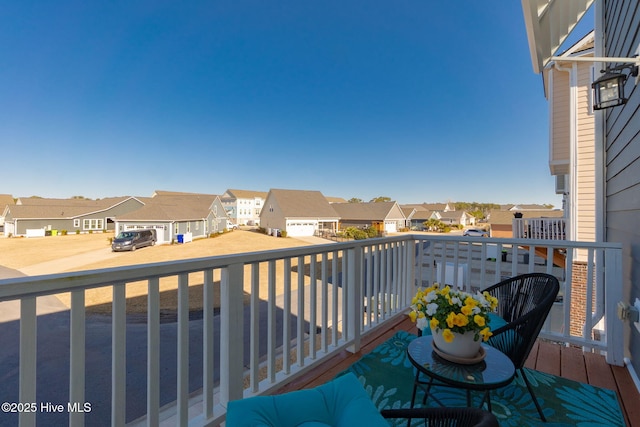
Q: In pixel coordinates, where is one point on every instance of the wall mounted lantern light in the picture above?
(608, 90)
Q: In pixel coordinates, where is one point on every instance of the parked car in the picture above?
(475, 232)
(231, 225)
(133, 239)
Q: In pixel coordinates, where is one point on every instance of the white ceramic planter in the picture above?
(462, 345)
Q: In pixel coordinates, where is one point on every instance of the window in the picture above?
(93, 224)
(76, 223)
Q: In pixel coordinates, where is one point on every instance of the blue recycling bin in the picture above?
(180, 238)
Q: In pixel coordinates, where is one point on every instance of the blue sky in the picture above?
(421, 101)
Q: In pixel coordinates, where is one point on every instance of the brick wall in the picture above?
(579, 297)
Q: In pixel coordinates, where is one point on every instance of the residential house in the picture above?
(417, 215)
(501, 221)
(441, 207)
(456, 217)
(572, 149)
(385, 217)
(298, 212)
(39, 216)
(331, 199)
(244, 206)
(616, 177)
(527, 207)
(174, 214)
(408, 214)
(5, 200)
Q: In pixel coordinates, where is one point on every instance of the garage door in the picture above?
(295, 229)
(390, 226)
(160, 237)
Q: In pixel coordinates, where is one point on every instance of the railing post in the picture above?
(28, 359)
(410, 276)
(354, 297)
(77, 356)
(231, 333)
(182, 385)
(118, 355)
(613, 289)
(153, 351)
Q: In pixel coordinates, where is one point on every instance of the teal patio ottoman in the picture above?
(342, 402)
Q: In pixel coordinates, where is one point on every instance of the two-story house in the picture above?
(244, 206)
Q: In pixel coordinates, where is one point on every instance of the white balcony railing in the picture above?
(281, 313)
(539, 228)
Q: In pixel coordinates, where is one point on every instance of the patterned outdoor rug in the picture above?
(387, 375)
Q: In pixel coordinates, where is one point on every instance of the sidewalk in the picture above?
(10, 310)
(69, 263)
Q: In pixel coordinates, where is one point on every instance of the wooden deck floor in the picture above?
(567, 362)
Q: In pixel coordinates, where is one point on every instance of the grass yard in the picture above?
(58, 254)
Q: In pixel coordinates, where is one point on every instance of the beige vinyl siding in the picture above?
(272, 215)
(560, 124)
(585, 158)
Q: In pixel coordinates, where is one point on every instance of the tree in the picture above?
(433, 224)
(354, 200)
(477, 214)
(380, 199)
(474, 207)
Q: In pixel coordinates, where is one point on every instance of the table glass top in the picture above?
(494, 371)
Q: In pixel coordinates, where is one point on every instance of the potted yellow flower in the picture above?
(453, 314)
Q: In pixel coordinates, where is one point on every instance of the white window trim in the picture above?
(93, 224)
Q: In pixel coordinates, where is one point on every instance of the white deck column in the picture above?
(231, 333)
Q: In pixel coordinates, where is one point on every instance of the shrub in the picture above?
(283, 233)
(371, 232)
(77, 231)
(355, 233)
(63, 232)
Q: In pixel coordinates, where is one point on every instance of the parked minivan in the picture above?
(133, 239)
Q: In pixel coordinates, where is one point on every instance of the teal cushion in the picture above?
(342, 402)
(496, 321)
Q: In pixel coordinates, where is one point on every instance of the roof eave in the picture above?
(548, 23)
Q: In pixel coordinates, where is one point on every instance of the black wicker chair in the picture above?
(446, 417)
(524, 302)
